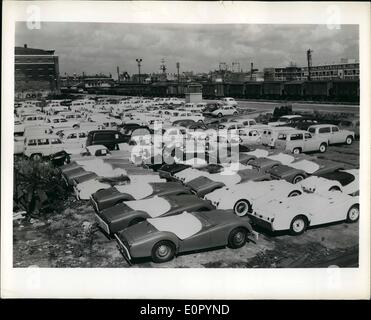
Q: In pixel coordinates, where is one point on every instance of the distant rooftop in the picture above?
(31, 51)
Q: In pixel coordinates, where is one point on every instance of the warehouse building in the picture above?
(36, 72)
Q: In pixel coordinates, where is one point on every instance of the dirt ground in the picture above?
(66, 239)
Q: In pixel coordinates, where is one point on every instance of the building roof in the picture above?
(32, 51)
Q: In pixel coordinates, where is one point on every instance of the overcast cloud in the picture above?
(100, 47)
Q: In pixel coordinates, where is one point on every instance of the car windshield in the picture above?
(312, 130)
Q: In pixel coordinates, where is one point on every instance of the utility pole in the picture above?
(251, 70)
(139, 61)
(118, 74)
(309, 58)
(177, 67)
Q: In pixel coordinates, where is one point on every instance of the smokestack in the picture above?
(252, 66)
(118, 74)
(25, 45)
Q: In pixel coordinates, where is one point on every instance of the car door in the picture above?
(43, 146)
(325, 132)
(310, 144)
(337, 135)
(55, 145)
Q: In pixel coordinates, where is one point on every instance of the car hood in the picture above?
(105, 193)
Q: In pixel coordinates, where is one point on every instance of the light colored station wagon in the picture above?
(332, 133)
(298, 141)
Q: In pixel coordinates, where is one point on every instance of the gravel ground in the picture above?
(66, 239)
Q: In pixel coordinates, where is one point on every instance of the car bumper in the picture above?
(261, 223)
(123, 248)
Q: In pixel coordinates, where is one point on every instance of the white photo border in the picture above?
(331, 283)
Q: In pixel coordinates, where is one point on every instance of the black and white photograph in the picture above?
(147, 145)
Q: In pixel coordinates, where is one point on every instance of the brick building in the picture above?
(36, 72)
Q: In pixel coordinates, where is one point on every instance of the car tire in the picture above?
(242, 207)
(298, 225)
(36, 157)
(163, 251)
(296, 151)
(298, 178)
(237, 238)
(323, 147)
(294, 193)
(76, 126)
(349, 140)
(353, 214)
(220, 115)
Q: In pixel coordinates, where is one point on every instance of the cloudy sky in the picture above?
(100, 47)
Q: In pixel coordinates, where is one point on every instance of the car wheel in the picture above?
(323, 147)
(242, 207)
(298, 225)
(296, 151)
(237, 238)
(349, 140)
(294, 193)
(163, 251)
(220, 115)
(135, 221)
(298, 178)
(353, 214)
(36, 157)
(75, 126)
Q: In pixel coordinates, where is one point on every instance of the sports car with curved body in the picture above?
(107, 198)
(309, 209)
(241, 197)
(346, 181)
(257, 170)
(164, 238)
(299, 170)
(85, 189)
(122, 215)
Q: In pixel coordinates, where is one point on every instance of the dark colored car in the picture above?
(302, 123)
(107, 198)
(183, 123)
(295, 175)
(163, 238)
(122, 215)
(108, 138)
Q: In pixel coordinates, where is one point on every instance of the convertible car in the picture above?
(309, 209)
(346, 181)
(85, 189)
(122, 215)
(299, 170)
(242, 197)
(107, 198)
(163, 238)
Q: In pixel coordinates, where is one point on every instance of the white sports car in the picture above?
(309, 209)
(242, 197)
(84, 190)
(346, 181)
(190, 173)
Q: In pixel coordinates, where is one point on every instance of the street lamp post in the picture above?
(139, 64)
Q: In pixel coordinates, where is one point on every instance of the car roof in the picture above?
(322, 125)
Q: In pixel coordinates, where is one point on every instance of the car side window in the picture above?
(297, 136)
(308, 136)
(282, 136)
(324, 130)
(56, 141)
(42, 142)
(82, 135)
(72, 136)
(335, 129)
(32, 142)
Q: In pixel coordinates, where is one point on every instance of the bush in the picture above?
(37, 187)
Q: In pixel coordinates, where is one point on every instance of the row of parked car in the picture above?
(198, 200)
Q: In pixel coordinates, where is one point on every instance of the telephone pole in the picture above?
(139, 61)
(309, 58)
